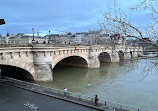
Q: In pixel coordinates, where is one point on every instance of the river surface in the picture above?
(133, 83)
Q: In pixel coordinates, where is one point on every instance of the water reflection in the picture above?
(121, 63)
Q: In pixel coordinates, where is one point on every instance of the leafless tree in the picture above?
(118, 21)
(152, 6)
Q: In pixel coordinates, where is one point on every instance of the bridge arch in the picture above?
(104, 57)
(74, 60)
(121, 55)
(18, 64)
(16, 73)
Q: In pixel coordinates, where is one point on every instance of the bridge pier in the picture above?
(94, 63)
(43, 73)
(127, 55)
(131, 55)
(134, 55)
(114, 57)
(42, 64)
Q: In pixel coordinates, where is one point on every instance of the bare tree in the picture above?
(118, 21)
(151, 5)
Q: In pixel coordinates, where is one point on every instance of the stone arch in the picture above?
(121, 55)
(19, 64)
(16, 73)
(60, 58)
(104, 57)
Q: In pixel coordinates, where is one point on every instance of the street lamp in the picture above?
(33, 35)
(49, 36)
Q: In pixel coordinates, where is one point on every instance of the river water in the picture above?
(133, 83)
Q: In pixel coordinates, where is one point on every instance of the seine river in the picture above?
(133, 83)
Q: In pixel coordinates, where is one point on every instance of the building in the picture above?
(81, 38)
(20, 39)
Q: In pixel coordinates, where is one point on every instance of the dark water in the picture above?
(133, 83)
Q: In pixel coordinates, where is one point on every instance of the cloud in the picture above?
(69, 15)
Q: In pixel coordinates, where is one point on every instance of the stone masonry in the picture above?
(40, 61)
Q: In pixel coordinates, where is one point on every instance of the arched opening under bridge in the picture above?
(69, 67)
(104, 57)
(16, 73)
(75, 61)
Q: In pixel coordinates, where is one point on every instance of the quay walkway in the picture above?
(19, 95)
(17, 99)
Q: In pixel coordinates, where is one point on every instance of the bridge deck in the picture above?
(17, 99)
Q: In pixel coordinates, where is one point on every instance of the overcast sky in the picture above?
(59, 16)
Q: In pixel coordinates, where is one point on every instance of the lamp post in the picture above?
(49, 36)
(33, 35)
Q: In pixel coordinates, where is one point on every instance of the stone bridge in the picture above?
(40, 61)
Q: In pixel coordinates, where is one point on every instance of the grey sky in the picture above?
(58, 15)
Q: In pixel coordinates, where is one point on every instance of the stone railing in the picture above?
(38, 45)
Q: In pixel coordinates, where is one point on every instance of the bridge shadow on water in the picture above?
(67, 68)
(16, 73)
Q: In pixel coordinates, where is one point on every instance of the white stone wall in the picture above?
(18, 58)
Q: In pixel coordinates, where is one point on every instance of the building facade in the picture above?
(82, 38)
(20, 39)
